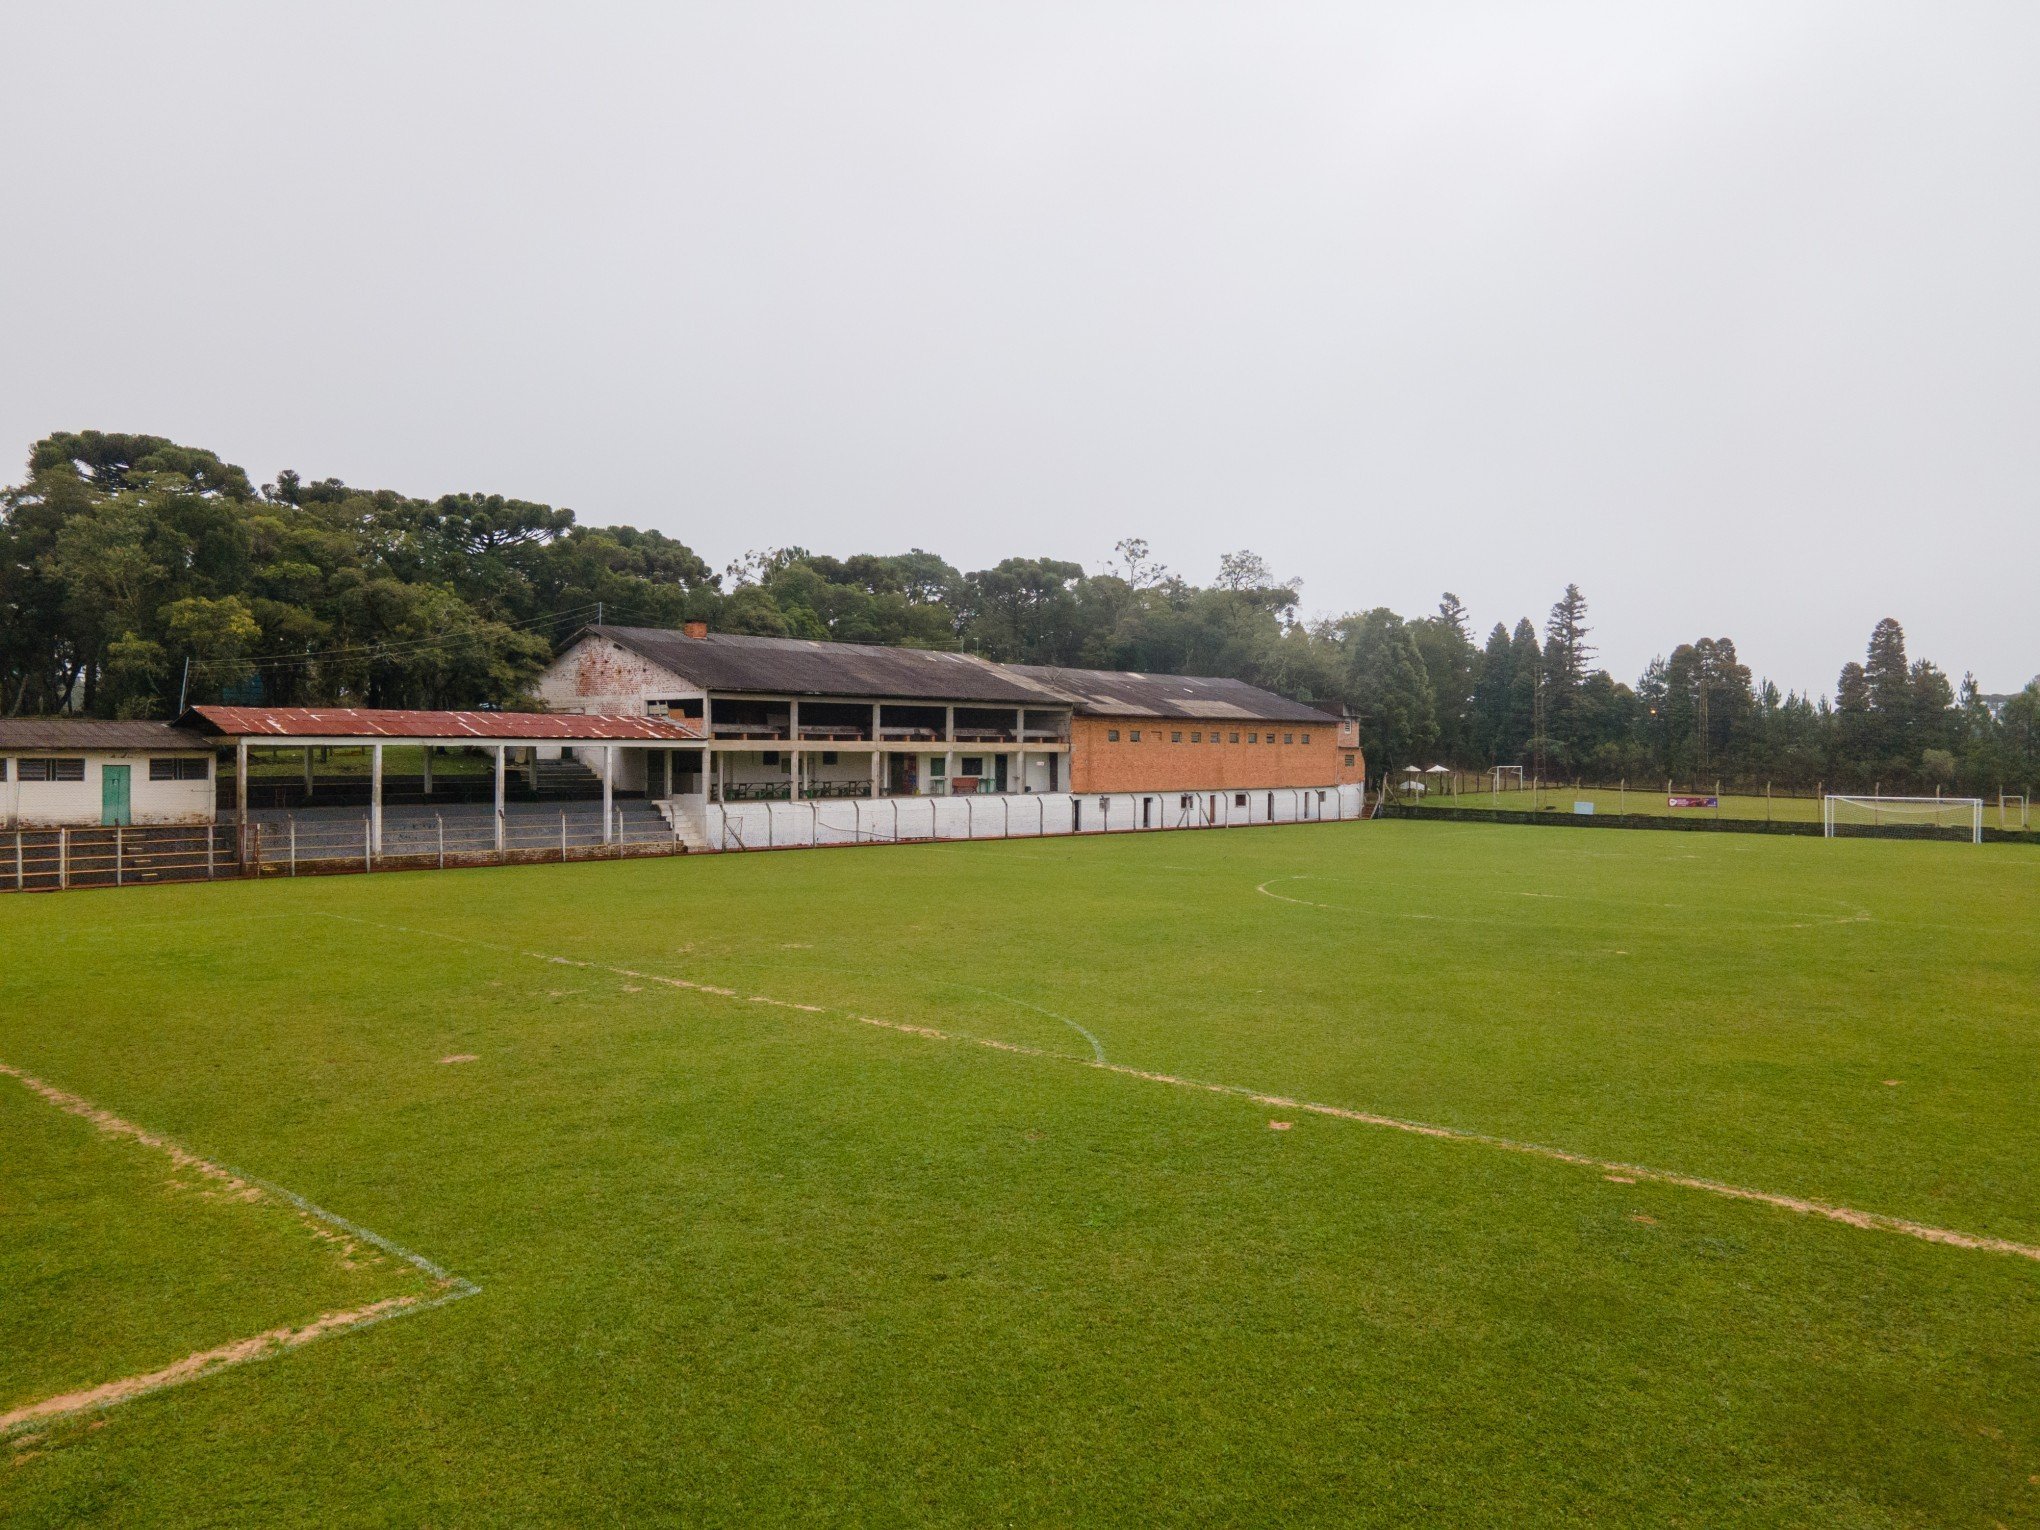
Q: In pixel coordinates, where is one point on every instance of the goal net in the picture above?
(1928, 817)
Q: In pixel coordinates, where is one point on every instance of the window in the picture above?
(3, 770)
(52, 770)
(1306, 738)
(1196, 738)
(1349, 759)
(1241, 800)
(828, 756)
(179, 770)
(1289, 738)
(1235, 739)
(1187, 802)
(937, 765)
(1176, 738)
(769, 757)
(1252, 738)
(970, 765)
(1271, 738)
(1214, 738)
(1112, 735)
(1135, 735)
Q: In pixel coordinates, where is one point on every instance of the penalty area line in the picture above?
(1848, 1216)
(446, 1287)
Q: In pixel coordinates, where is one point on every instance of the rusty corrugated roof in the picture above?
(25, 733)
(360, 722)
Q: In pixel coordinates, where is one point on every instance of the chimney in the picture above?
(695, 629)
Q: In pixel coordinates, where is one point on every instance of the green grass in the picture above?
(743, 1263)
(1655, 803)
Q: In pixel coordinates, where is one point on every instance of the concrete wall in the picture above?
(600, 677)
(1180, 755)
(779, 825)
(55, 804)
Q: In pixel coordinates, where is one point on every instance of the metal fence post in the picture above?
(209, 831)
(563, 835)
(367, 845)
(20, 881)
(63, 858)
(117, 845)
(441, 822)
(293, 844)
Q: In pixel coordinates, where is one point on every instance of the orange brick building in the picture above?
(1137, 732)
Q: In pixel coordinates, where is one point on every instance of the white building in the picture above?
(67, 772)
(804, 721)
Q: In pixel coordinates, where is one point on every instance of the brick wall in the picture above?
(1352, 762)
(1158, 762)
(603, 677)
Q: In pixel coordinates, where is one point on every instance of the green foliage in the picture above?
(124, 557)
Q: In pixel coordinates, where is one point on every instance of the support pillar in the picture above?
(502, 756)
(375, 799)
(240, 798)
(608, 788)
(425, 755)
(876, 758)
(308, 773)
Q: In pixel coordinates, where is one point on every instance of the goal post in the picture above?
(2013, 811)
(1953, 817)
(1499, 771)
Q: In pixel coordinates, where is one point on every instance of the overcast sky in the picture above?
(1731, 313)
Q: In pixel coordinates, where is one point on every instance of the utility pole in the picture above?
(184, 686)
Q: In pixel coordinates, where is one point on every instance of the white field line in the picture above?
(447, 1287)
(1872, 1221)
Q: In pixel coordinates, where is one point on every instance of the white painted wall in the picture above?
(57, 804)
(776, 825)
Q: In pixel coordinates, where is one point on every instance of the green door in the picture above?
(114, 805)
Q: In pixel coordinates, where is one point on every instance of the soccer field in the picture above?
(1380, 1173)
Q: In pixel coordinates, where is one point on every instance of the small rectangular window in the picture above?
(179, 770)
(1253, 738)
(1186, 802)
(3, 770)
(1240, 801)
(1289, 738)
(1175, 737)
(1136, 735)
(1349, 759)
(828, 756)
(1111, 735)
(1236, 739)
(1306, 738)
(52, 770)
(1271, 738)
(1196, 738)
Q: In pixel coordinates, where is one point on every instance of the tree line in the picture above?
(136, 573)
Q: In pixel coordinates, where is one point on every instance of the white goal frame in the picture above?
(1904, 810)
(1495, 790)
(2006, 801)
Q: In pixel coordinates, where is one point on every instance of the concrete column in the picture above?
(308, 774)
(375, 799)
(876, 717)
(240, 797)
(502, 753)
(949, 725)
(877, 783)
(608, 787)
(425, 755)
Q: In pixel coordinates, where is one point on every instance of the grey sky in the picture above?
(1728, 312)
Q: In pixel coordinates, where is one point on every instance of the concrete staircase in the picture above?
(685, 821)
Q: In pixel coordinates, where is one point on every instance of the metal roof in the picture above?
(357, 722)
(1127, 693)
(799, 667)
(28, 733)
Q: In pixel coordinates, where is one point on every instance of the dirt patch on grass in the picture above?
(458, 1057)
(206, 1361)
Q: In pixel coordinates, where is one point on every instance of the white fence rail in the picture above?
(901, 820)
